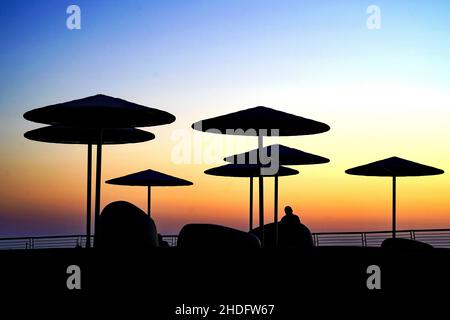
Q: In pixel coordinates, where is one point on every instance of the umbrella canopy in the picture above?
(70, 135)
(259, 118)
(394, 167)
(149, 178)
(287, 156)
(100, 111)
(247, 170)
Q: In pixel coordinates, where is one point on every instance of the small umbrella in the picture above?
(251, 171)
(149, 178)
(285, 156)
(99, 112)
(56, 134)
(258, 121)
(394, 167)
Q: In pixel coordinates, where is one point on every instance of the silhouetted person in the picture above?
(290, 217)
(122, 225)
(293, 233)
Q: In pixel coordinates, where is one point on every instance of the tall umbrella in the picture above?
(149, 178)
(394, 167)
(251, 171)
(65, 135)
(99, 112)
(285, 156)
(258, 121)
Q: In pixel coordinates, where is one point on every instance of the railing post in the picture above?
(364, 239)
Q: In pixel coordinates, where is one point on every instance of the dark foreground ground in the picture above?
(154, 283)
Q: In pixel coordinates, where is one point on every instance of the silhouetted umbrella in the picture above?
(149, 178)
(286, 156)
(63, 135)
(258, 121)
(248, 171)
(394, 167)
(261, 118)
(99, 112)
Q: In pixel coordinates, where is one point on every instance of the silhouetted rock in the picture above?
(405, 244)
(289, 235)
(215, 236)
(123, 225)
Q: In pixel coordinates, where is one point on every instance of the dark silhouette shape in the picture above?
(247, 170)
(99, 112)
(289, 235)
(286, 156)
(290, 217)
(257, 122)
(394, 167)
(289, 232)
(214, 237)
(69, 135)
(262, 118)
(122, 225)
(405, 244)
(149, 178)
(72, 135)
(294, 232)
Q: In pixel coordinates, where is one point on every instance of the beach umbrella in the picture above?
(65, 135)
(149, 178)
(99, 112)
(284, 156)
(394, 167)
(249, 171)
(261, 121)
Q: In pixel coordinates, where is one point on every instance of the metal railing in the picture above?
(439, 238)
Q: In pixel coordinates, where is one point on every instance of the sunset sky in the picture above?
(383, 92)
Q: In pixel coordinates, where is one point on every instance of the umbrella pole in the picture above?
(251, 205)
(98, 177)
(88, 196)
(394, 205)
(149, 193)
(261, 193)
(275, 210)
